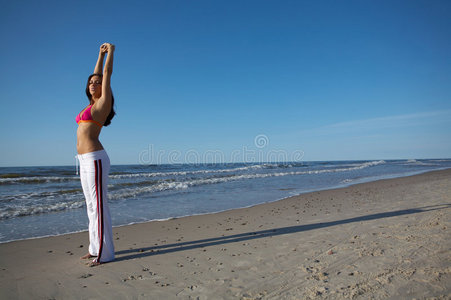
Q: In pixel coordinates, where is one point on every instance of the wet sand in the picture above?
(388, 239)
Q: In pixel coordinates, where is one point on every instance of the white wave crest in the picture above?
(133, 192)
(182, 173)
(418, 163)
(43, 195)
(20, 211)
(37, 179)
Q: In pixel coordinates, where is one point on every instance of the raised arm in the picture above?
(108, 71)
(99, 64)
(104, 104)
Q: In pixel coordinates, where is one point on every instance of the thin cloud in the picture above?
(397, 121)
(393, 120)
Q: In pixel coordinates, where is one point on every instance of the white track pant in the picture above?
(94, 170)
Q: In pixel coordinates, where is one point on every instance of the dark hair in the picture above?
(112, 112)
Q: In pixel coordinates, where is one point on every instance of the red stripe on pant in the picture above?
(99, 196)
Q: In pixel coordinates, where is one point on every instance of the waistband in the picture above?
(101, 154)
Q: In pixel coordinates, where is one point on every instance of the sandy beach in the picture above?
(388, 239)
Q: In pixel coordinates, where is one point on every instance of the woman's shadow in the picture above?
(169, 248)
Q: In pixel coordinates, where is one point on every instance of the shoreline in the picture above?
(339, 186)
(386, 238)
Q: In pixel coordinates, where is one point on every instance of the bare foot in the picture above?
(86, 256)
(93, 264)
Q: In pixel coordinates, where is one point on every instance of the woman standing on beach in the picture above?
(94, 161)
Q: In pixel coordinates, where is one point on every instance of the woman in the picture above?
(94, 161)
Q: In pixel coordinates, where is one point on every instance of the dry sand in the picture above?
(388, 239)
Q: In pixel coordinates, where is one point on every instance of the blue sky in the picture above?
(333, 80)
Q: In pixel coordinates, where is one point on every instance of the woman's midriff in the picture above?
(88, 138)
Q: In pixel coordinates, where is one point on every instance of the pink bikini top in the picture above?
(86, 117)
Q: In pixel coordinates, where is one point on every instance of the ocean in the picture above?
(45, 201)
